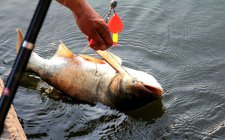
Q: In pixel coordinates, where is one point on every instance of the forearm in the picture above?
(90, 23)
(78, 7)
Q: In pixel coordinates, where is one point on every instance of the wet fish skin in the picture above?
(78, 77)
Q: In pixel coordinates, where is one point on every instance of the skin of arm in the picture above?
(90, 23)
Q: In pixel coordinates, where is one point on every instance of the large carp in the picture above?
(93, 80)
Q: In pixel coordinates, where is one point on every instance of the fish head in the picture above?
(134, 89)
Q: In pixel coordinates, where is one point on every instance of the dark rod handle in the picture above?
(22, 59)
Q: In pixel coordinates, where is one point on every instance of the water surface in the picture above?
(181, 43)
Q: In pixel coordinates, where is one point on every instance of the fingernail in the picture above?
(103, 48)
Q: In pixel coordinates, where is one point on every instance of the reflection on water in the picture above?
(149, 113)
(98, 121)
(181, 43)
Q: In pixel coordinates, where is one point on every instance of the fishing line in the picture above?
(85, 49)
(96, 67)
(107, 17)
(119, 64)
(113, 5)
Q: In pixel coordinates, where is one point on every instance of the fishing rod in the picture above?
(22, 59)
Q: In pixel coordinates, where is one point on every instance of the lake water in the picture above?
(181, 43)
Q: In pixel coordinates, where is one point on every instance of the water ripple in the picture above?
(181, 43)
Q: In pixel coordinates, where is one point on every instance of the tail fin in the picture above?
(35, 60)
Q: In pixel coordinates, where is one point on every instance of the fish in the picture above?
(92, 80)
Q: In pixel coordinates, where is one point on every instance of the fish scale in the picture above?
(75, 75)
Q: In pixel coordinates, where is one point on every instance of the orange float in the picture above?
(115, 26)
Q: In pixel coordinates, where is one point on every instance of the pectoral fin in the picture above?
(111, 55)
(113, 60)
(92, 59)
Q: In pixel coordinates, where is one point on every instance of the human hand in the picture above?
(94, 26)
(90, 23)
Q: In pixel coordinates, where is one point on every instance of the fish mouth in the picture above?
(148, 90)
(127, 93)
(137, 94)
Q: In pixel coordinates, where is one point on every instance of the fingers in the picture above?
(101, 39)
(93, 26)
(98, 42)
(105, 35)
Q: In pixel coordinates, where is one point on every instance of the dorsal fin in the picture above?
(92, 59)
(19, 39)
(113, 60)
(63, 51)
